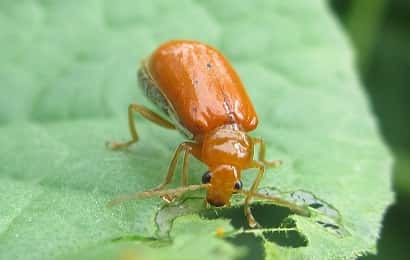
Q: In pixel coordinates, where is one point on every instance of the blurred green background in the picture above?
(380, 32)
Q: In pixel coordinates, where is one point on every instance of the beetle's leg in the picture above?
(187, 148)
(262, 153)
(184, 177)
(248, 213)
(148, 114)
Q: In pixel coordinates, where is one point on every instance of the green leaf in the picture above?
(67, 76)
(182, 247)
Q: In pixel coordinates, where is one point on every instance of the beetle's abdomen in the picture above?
(201, 86)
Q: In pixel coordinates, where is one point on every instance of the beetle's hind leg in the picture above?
(262, 153)
(148, 114)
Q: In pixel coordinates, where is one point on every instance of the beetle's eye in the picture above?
(238, 185)
(206, 178)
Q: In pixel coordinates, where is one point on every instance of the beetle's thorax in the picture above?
(226, 145)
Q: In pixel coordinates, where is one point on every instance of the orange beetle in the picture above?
(202, 96)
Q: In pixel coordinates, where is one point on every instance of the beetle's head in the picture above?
(223, 181)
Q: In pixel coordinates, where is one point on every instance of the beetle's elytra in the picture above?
(203, 97)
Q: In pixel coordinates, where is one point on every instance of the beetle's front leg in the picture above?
(248, 213)
(187, 149)
(262, 153)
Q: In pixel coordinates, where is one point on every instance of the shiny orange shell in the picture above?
(201, 86)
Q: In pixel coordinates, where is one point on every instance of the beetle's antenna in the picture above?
(280, 202)
(154, 193)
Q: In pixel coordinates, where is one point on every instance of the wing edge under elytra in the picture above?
(158, 98)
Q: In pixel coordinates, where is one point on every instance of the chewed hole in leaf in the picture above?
(306, 198)
(333, 228)
(323, 214)
(291, 238)
(283, 233)
(287, 235)
(268, 216)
